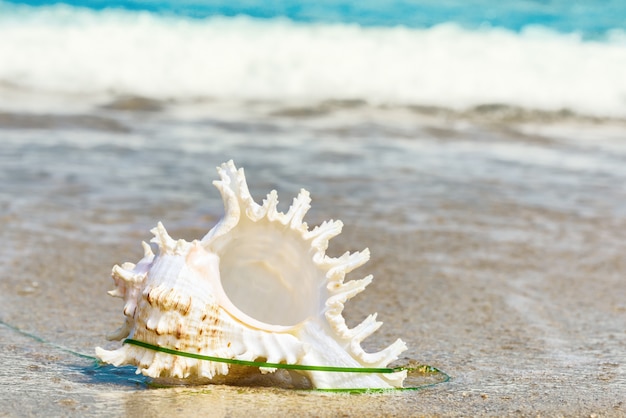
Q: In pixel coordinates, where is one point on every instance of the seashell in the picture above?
(258, 286)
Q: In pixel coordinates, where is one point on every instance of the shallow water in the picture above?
(497, 239)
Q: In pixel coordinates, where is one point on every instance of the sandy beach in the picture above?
(498, 248)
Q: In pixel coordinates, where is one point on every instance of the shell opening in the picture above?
(267, 277)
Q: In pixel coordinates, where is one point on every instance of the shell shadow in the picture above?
(105, 374)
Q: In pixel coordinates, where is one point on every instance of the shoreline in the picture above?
(497, 255)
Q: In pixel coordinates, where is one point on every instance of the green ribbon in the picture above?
(423, 369)
(420, 369)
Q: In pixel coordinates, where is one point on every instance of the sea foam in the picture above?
(61, 49)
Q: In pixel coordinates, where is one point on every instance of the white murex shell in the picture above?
(257, 287)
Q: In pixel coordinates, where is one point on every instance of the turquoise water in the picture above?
(590, 18)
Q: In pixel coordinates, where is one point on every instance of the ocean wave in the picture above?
(67, 50)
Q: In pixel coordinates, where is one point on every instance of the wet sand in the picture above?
(498, 254)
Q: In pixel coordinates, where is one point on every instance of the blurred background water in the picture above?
(547, 55)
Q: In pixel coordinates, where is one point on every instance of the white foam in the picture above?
(75, 51)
